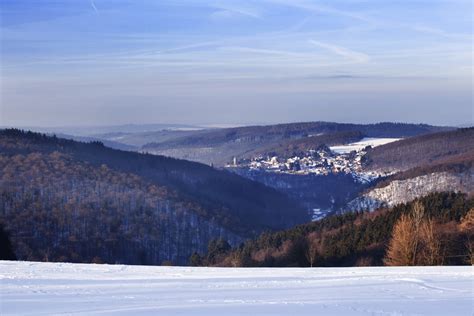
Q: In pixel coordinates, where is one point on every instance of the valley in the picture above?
(321, 165)
(64, 200)
(224, 157)
(95, 202)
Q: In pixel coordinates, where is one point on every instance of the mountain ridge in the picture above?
(219, 146)
(55, 173)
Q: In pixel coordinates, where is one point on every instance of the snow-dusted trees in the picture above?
(59, 209)
(64, 200)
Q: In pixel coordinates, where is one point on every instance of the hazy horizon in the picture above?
(103, 63)
(212, 125)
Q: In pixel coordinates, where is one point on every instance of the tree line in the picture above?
(422, 150)
(434, 230)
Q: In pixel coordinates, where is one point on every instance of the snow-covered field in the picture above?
(58, 288)
(357, 146)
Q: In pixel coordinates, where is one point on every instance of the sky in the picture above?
(108, 62)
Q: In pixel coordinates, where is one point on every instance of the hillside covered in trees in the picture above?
(290, 147)
(219, 146)
(433, 230)
(424, 151)
(62, 200)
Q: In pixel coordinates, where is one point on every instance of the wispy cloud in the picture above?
(226, 10)
(354, 56)
(263, 51)
(319, 8)
(164, 48)
(94, 7)
(441, 33)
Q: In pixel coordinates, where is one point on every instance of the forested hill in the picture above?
(219, 146)
(424, 150)
(67, 200)
(296, 130)
(441, 224)
(299, 147)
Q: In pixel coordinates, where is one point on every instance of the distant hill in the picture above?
(384, 175)
(299, 147)
(138, 139)
(424, 164)
(219, 146)
(92, 131)
(88, 139)
(73, 201)
(422, 150)
(463, 163)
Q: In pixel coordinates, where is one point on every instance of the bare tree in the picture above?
(402, 244)
(235, 259)
(467, 226)
(416, 221)
(431, 250)
(414, 240)
(312, 248)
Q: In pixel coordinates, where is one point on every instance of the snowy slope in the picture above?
(357, 146)
(58, 288)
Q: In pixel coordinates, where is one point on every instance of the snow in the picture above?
(357, 146)
(320, 161)
(318, 214)
(29, 288)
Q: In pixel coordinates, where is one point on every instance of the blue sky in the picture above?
(82, 62)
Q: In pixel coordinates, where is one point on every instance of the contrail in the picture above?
(94, 7)
(343, 51)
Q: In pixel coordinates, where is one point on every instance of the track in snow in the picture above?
(61, 288)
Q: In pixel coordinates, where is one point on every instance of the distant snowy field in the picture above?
(357, 146)
(30, 288)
